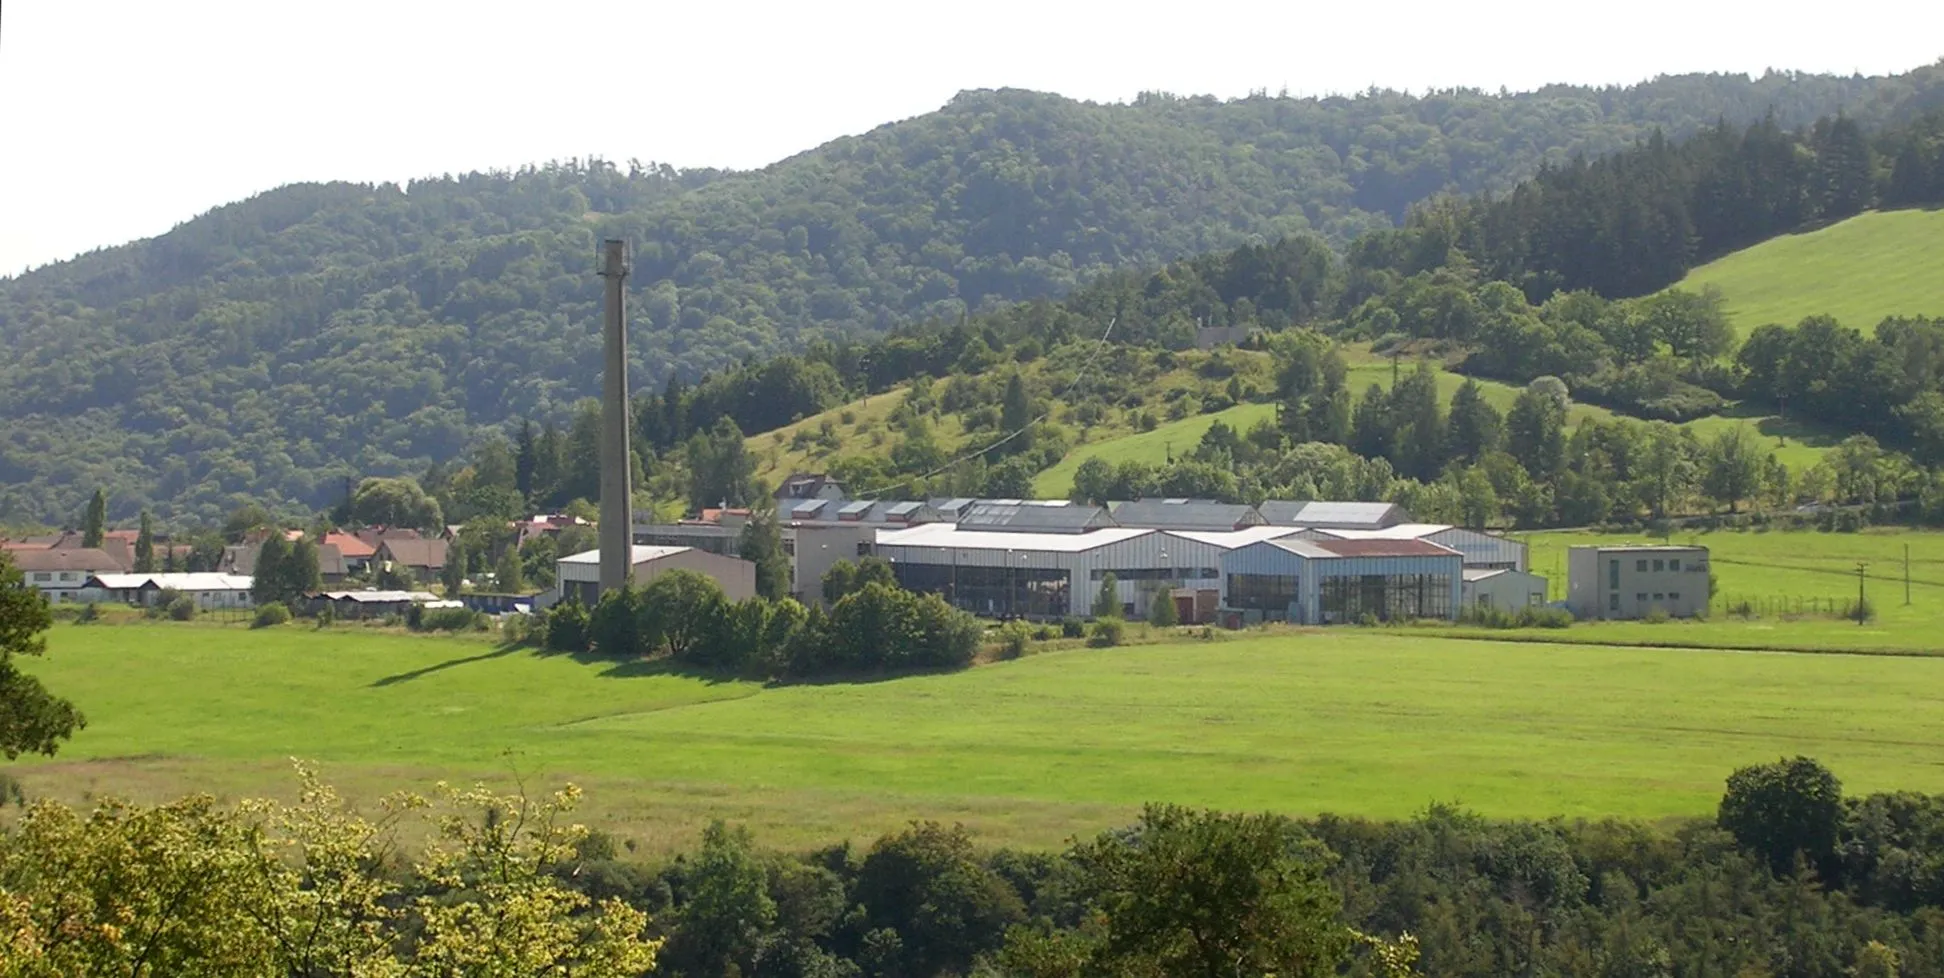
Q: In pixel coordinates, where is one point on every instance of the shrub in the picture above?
(163, 600)
(1045, 633)
(1014, 637)
(183, 608)
(89, 612)
(274, 613)
(1107, 633)
(1072, 628)
(567, 627)
(445, 619)
(1655, 616)
(1367, 620)
(1161, 610)
(1527, 617)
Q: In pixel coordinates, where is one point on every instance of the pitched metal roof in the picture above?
(640, 554)
(1384, 548)
(946, 536)
(1317, 512)
(1032, 515)
(1186, 514)
(185, 581)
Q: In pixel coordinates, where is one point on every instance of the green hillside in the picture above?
(1357, 722)
(271, 347)
(1883, 263)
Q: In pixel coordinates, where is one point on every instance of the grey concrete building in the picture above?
(1625, 582)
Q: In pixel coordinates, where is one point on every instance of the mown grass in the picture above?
(1376, 723)
(1884, 263)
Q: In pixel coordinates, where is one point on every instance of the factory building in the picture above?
(1323, 582)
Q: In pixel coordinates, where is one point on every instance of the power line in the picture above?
(1099, 346)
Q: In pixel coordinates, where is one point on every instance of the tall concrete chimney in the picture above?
(617, 517)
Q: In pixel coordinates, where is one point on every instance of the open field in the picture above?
(1378, 723)
(1884, 263)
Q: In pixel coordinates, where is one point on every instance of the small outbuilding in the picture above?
(1503, 589)
(207, 589)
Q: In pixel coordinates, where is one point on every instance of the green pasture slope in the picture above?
(1799, 446)
(1883, 263)
(1378, 723)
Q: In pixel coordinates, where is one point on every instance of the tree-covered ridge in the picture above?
(272, 347)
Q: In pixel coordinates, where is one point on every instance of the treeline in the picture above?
(271, 347)
(872, 627)
(1635, 221)
(1791, 878)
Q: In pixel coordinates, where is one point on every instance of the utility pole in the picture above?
(1860, 566)
(617, 520)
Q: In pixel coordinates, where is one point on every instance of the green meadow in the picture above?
(1377, 722)
(1883, 263)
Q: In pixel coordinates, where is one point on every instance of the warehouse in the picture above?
(1332, 515)
(1054, 573)
(1318, 582)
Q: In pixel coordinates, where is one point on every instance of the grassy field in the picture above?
(1176, 438)
(1860, 270)
(1375, 723)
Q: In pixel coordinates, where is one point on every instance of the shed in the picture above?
(1503, 589)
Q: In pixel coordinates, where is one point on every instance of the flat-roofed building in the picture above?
(1626, 582)
(579, 575)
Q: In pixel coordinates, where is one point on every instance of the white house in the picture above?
(60, 574)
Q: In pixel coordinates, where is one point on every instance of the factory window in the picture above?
(1157, 574)
(1613, 573)
(1271, 594)
(1660, 597)
(1673, 563)
(1641, 565)
(1613, 602)
(1640, 597)
(1660, 565)
(994, 592)
(1673, 595)
(1386, 597)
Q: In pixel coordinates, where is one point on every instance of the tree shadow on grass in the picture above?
(499, 651)
(1771, 425)
(638, 667)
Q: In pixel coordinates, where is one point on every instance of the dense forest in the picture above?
(1791, 879)
(273, 347)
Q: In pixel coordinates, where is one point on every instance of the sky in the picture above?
(119, 120)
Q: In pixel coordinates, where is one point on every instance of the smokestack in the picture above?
(617, 519)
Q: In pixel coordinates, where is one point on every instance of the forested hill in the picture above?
(270, 347)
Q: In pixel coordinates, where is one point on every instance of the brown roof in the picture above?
(351, 547)
(77, 559)
(414, 553)
(1383, 548)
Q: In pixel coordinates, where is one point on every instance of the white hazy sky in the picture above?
(120, 119)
